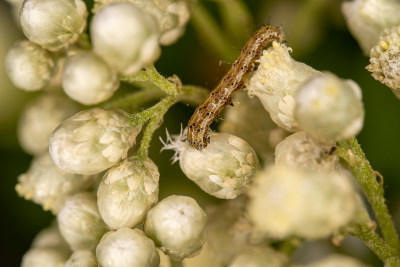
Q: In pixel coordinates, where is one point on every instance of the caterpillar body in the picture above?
(205, 114)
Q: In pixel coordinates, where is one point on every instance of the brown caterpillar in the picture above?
(199, 123)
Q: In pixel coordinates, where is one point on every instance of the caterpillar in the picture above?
(221, 96)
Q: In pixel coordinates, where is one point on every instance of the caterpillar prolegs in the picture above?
(205, 114)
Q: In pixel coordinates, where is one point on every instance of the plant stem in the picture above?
(134, 101)
(211, 34)
(154, 116)
(193, 95)
(372, 240)
(152, 76)
(358, 164)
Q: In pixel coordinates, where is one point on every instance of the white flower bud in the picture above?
(329, 108)
(171, 15)
(223, 169)
(50, 237)
(366, 19)
(80, 222)
(286, 202)
(101, 85)
(53, 24)
(176, 224)
(385, 59)
(127, 191)
(228, 228)
(44, 257)
(29, 66)
(300, 150)
(250, 121)
(40, 118)
(82, 258)
(260, 257)
(127, 248)
(125, 37)
(92, 141)
(46, 184)
(205, 258)
(337, 260)
(276, 81)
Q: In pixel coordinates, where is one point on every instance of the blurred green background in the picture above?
(318, 35)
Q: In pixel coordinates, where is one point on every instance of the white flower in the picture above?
(366, 19)
(53, 24)
(127, 191)
(46, 184)
(29, 66)
(125, 37)
(385, 59)
(101, 85)
(176, 224)
(286, 202)
(127, 248)
(300, 150)
(223, 169)
(39, 119)
(249, 120)
(50, 237)
(329, 108)
(80, 222)
(276, 81)
(82, 258)
(92, 141)
(260, 257)
(171, 15)
(44, 257)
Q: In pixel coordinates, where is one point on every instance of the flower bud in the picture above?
(260, 257)
(176, 224)
(250, 121)
(385, 59)
(337, 260)
(127, 191)
(329, 108)
(223, 169)
(82, 258)
(80, 222)
(29, 66)
(127, 248)
(286, 202)
(206, 257)
(50, 237)
(228, 228)
(92, 141)
(46, 184)
(40, 118)
(44, 257)
(125, 37)
(276, 81)
(58, 30)
(101, 86)
(300, 150)
(366, 19)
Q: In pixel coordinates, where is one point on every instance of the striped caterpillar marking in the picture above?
(205, 114)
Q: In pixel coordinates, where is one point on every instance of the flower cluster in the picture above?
(283, 163)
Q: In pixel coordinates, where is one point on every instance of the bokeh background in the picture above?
(318, 35)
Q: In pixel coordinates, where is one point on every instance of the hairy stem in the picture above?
(358, 164)
(372, 240)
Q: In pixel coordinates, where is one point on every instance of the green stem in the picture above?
(134, 101)
(154, 115)
(211, 34)
(372, 240)
(152, 76)
(358, 164)
(193, 95)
